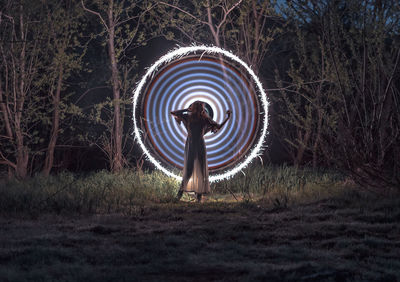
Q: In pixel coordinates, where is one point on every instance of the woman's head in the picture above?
(197, 108)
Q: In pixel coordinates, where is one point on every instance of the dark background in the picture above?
(330, 68)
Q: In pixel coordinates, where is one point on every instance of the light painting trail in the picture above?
(221, 80)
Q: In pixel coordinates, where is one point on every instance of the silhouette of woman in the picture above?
(195, 169)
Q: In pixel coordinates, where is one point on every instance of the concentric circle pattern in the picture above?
(223, 82)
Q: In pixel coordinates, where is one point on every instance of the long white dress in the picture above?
(195, 169)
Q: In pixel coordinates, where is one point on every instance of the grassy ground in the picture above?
(309, 232)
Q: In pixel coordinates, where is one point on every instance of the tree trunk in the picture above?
(303, 141)
(215, 33)
(48, 165)
(4, 109)
(22, 150)
(116, 165)
(317, 140)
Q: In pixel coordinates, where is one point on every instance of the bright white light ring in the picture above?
(176, 54)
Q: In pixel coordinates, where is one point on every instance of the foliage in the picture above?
(245, 27)
(251, 29)
(192, 21)
(22, 109)
(343, 97)
(124, 27)
(40, 50)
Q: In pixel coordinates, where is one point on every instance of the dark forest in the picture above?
(330, 70)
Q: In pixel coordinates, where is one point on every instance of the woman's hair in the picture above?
(197, 110)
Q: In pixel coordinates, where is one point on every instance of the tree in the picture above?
(63, 57)
(196, 21)
(245, 27)
(20, 107)
(305, 102)
(38, 52)
(350, 80)
(251, 29)
(122, 29)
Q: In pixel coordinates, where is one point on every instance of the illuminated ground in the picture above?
(329, 240)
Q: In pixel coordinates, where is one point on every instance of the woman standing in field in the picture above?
(195, 168)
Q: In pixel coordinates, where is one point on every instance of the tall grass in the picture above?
(262, 179)
(97, 192)
(282, 184)
(104, 192)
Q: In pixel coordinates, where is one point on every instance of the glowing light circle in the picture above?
(221, 80)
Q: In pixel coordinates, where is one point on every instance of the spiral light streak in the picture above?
(183, 76)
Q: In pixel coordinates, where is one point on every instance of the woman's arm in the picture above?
(178, 115)
(228, 113)
(217, 126)
(179, 112)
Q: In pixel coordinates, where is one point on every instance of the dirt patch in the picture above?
(206, 242)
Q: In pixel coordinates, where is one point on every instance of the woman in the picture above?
(195, 169)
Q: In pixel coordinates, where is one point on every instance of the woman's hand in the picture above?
(179, 112)
(219, 126)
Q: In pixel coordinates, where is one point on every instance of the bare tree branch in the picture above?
(183, 11)
(135, 17)
(95, 13)
(87, 91)
(7, 161)
(227, 12)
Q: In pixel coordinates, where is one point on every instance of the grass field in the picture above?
(271, 224)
